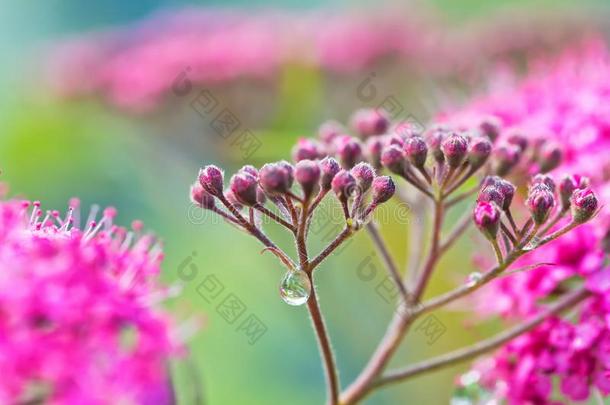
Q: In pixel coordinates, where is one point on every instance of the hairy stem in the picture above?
(567, 302)
(399, 324)
(342, 237)
(328, 359)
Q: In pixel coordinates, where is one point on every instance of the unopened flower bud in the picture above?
(584, 205)
(550, 156)
(305, 149)
(486, 217)
(329, 168)
(568, 185)
(289, 170)
(307, 174)
(343, 185)
(211, 179)
(250, 170)
(393, 159)
(506, 157)
(274, 179)
(435, 138)
(478, 152)
(454, 148)
(545, 180)
(369, 122)
(243, 186)
(329, 130)
(364, 175)
(504, 187)
(372, 148)
(200, 197)
(349, 151)
(518, 140)
(491, 194)
(383, 189)
(490, 127)
(416, 150)
(540, 202)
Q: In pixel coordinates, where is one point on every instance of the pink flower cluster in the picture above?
(77, 317)
(568, 100)
(136, 66)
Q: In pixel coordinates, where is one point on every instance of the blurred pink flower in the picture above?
(77, 316)
(566, 101)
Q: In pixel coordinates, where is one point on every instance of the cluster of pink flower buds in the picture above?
(274, 182)
(496, 196)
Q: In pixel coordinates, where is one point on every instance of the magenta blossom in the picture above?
(78, 322)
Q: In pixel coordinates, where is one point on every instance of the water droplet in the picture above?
(474, 278)
(295, 287)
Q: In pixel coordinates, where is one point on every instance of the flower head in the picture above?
(369, 122)
(212, 180)
(79, 320)
(244, 187)
(307, 174)
(584, 205)
(540, 202)
(416, 150)
(383, 189)
(486, 217)
(455, 147)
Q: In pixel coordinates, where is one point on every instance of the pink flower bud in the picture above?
(243, 186)
(329, 130)
(383, 189)
(416, 150)
(435, 138)
(393, 159)
(369, 122)
(550, 156)
(491, 194)
(540, 202)
(349, 151)
(306, 149)
(364, 175)
(454, 148)
(486, 217)
(275, 179)
(490, 127)
(289, 170)
(545, 180)
(329, 168)
(506, 157)
(568, 185)
(343, 185)
(211, 179)
(373, 147)
(584, 205)
(250, 170)
(478, 152)
(307, 174)
(200, 197)
(517, 139)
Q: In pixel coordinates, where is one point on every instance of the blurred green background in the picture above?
(52, 150)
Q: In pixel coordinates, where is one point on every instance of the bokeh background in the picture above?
(54, 147)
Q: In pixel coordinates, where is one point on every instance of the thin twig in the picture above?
(484, 346)
(326, 352)
(339, 239)
(387, 259)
